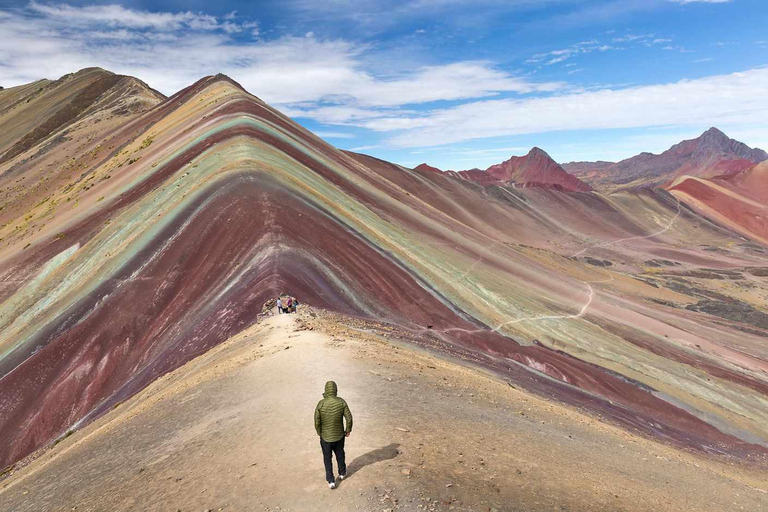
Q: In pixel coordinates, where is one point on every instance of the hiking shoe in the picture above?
(331, 485)
(342, 477)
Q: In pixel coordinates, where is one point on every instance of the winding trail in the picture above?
(657, 233)
(578, 315)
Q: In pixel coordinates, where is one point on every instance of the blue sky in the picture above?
(455, 84)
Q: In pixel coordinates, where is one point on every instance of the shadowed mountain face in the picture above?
(128, 259)
(31, 113)
(711, 154)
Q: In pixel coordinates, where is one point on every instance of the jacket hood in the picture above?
(330, 389)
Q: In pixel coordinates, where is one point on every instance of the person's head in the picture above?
(330, 389)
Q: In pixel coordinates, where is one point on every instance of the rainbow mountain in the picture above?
(139, 231)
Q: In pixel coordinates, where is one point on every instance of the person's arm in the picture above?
(318, 420)
(347, 418)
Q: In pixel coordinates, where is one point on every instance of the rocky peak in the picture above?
(538, 152)
(714, 142)
(714, 134)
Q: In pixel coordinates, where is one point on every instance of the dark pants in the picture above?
(329, 449)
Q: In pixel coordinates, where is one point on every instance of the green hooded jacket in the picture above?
(329, 414)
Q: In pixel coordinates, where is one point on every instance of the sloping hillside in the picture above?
(53, 134)
(170, 238)
(739, 200)
(30, 113)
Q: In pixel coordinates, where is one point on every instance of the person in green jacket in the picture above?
(330, 415)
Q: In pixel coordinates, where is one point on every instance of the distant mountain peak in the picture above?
(714, 133)
(427, 168)
(715, 143)
(537, 151)
(536, 168)
(716, 139)
(715, 130)
(712, 153)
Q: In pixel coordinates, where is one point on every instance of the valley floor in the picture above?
(232, 430)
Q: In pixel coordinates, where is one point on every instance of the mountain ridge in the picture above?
(711, 154)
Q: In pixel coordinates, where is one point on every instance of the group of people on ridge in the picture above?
(287, 304)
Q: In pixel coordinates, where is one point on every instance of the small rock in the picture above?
(401, 429)
(405, 471)
(449, 485)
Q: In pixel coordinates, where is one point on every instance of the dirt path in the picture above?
(232, 430)
(661, 231)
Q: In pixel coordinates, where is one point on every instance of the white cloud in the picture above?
(593, 45)
(734, 99)
(172, 50)
(316, 73)
(680, 49)
(560, 55)
(642, 39)
(118, 16)
(633, 37)
(493, 151)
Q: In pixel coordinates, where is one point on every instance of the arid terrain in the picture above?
(232, 430)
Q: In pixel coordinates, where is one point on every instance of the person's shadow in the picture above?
(379, 454)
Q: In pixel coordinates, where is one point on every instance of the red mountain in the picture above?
(711, 154)
(739, 200)
(534, 169)
(426, 168)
